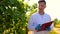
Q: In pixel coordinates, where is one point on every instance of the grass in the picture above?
(53, 32)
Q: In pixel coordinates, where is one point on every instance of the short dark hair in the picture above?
(42, 1)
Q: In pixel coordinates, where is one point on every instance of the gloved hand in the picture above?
(48, 29)
(37, 27)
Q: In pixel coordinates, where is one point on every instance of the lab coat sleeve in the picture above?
(31, 24)
(52, 25)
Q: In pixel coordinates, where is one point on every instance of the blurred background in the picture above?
(14, 15)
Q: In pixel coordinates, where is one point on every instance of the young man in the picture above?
(39, 18)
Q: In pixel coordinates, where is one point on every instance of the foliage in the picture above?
(12, 17)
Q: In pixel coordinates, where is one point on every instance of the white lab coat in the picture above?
(36, 19)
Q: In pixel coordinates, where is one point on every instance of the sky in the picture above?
(53, 8)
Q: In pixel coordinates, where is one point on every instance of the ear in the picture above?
(45, 6)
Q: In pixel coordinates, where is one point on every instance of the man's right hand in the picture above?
(48, 28)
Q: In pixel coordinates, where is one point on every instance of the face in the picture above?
(41, 6)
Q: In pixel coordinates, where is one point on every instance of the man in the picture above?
(39, 18)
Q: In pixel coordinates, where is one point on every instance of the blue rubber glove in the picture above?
(37, 27)
(48, 29)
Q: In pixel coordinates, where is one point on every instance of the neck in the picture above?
(41, 12)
